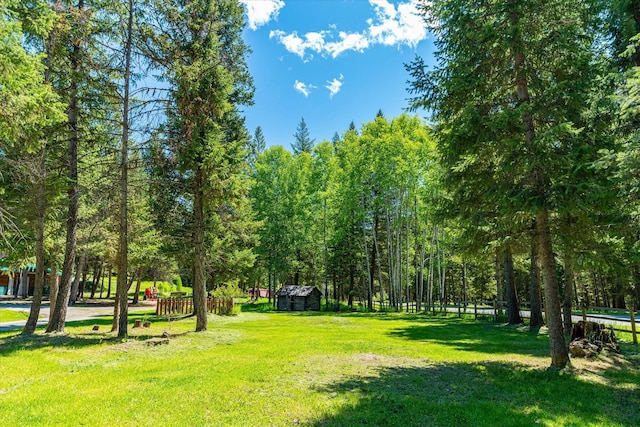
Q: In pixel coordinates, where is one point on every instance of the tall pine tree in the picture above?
(510, 78)
(303, 142)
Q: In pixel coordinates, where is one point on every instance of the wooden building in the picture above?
(298, 298)
(21, 283)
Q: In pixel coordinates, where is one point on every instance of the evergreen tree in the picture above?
(352, 128)
(508, 133)
(256, 146)
(303, 142)
(30, 108)
(336, 139)
(203, 58)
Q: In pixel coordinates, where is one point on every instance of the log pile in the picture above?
(588, 339)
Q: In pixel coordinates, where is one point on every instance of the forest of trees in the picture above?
(123, 149)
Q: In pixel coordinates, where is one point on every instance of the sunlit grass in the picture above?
(13, 315)
(259, 368)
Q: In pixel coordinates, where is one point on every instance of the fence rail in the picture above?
(219, 306)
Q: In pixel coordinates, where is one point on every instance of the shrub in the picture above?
(177, 281)
(165, 288)
(227, 291)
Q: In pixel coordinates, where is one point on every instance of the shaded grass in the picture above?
(318, 369)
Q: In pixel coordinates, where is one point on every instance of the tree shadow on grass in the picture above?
(257, 307)
(489, 338)
(459, 334)
(82, 335)
(487, 394)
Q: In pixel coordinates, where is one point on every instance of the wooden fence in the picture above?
(165, 306)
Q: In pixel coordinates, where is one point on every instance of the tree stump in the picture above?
(137, 323)
(146, 324)
(590, 338)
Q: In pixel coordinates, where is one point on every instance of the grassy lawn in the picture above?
(316, 369)
(11, 315)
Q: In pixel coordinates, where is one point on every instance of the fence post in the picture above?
(632, 309)
(475, 308)
(459, 308)
(584, 311)
(495, 310)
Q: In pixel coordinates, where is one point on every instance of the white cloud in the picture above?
(320, 42)
(261, 12)
(292, 42)
(384, 7)
(303, 88)
(392, 25)
(334, 86)
(348, 41)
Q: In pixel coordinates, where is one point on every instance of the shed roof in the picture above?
(296, 291)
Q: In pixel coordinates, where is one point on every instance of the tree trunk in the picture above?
(374, 260)
(102, 283)
(123, 235)
(559, 351)
(605, 294)
(116, 313)
(431, 268)
(269, 285)
(498, 276)
(351, 285)
(136, 294)
(370, 261)
(376, 224)
(83, 287)
(513, 310)
(34, 312)
(23, 288)
(75, 288)
(60, 310)
(568, 293)
(97, 274)
(53, 286)
(110, 273)
(324, 247)
(296, 275)
(199, 285)
(464, 284)
(535, 319)
(558, 345)
(407, 259)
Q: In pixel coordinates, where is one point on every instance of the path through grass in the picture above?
(316, 369)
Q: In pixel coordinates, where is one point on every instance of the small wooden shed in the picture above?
(298, 298)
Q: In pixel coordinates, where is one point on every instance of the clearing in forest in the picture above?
(316, 369)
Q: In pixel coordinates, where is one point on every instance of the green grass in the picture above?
(317, 369)
(11, 315)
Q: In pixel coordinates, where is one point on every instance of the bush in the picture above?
(227, 291)
(178, 283)
(165, 288)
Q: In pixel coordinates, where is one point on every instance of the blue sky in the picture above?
(329, 61)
